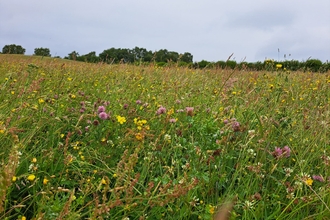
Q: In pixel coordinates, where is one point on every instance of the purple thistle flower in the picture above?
(161, 110)
(103, 115)
(226, 121)
(125, 106)
(101, 109)
(139, 102)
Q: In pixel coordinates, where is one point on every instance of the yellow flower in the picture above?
(114, 175)
(41, 101)
(14, 178)
(139, 136)
(211, 209)
(278, 65)
(309, 182)
(121, 120)
(34, 160)
(23, 218)
(103, 181)
(45, 181)
(31, 177)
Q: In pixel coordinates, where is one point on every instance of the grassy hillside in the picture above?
(96, 141)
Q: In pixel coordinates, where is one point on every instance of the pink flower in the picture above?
(277, 152)
(101, 109)
(318, 178)
(139, 102)
(103, 115)
(172, 120)
(286, 151)
(236, 126)
(161, 110)
(190, 111)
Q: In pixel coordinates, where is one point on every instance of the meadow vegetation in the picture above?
(99, 141)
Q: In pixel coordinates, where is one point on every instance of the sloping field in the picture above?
(97, 141)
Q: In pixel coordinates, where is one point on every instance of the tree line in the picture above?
(164, 57)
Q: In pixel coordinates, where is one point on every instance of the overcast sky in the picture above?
(209, 29)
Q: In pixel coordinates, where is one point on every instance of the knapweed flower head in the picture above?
(190, 111)
(101, 109)
(161, 110)
(103, 116)
(139, 102)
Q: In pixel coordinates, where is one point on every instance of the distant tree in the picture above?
(13, 49)
(204, 64)
(186, 57)
(141, 54)
(72, 56)
(109, 55)
(313, 65)
(231, 64)
(42, 52)
(89, 58)
(161, 55)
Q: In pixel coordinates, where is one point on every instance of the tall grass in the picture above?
(97, 141)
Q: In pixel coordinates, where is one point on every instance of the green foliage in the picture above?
(292, 65)
(42, 52)
(204, 64)
(313, 65)
(231, 64)
(13, 49)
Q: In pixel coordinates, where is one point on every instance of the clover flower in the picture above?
(277, 152)
(190, 111)
(236, 126)
(101, 109)
(161, 110)
(281, 152)
(286, 151)
(103, 115)
(318, 178)
(172, 120)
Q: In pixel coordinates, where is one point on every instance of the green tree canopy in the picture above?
(42, 52)
(13, 49)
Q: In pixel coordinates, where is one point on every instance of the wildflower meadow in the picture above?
(122, 141)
